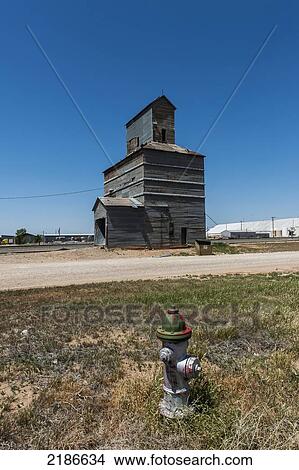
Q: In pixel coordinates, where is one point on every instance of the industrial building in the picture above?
(154, 196)
(257, 229)
(67, 237)
(7, 239)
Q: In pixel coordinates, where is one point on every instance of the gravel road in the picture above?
(28, 275)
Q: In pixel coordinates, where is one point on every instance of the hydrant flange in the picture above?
(174, 327)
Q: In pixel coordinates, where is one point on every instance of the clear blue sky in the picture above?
(115, 57)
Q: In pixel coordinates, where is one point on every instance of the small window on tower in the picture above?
(164, 136)
(133, 144)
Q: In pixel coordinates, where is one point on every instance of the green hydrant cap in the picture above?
(173, 326)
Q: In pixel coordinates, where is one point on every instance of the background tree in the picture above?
(38, 239)
(21, 236)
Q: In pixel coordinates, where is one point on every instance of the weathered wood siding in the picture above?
(172, 172)
(176, 159)
(155, 123)
(163, 118)
(99, 213)
(126, 227)
(140, 131)
(180, 215)
(175, 180)
(157, 226)
(127, 181)
(171, 186)
(124, 165)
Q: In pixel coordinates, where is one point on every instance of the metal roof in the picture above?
(156, 146)
(256, 226)
(68, 234)
(120, 202)
(170, 148)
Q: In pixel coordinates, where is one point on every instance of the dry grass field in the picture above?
(79, 365)
(259, 247)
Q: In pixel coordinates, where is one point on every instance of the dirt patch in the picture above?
(15, 397)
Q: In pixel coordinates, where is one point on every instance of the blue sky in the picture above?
(115, 57)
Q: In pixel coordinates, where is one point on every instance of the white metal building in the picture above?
(275, 228)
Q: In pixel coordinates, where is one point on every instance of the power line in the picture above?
(216, 223)
(231, 96)
(238, 85)
(35, 196)
(68, 92)
(70, 193)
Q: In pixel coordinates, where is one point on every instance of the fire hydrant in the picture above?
(179, 367)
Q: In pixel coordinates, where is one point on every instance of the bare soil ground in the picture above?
(91, 253)
(100, 253)
(79, 365)
(26, 275)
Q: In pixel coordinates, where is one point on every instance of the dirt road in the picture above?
(27, 275)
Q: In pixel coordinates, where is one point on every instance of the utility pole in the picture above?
(241, 225)
(273, 230)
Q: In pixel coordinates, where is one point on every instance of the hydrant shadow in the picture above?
(202, 395)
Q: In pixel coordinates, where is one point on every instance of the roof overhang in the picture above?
(155, 146)
(109, 202)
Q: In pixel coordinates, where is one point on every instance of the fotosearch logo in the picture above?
(151, 315)
(212, 460)
(190, 461)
